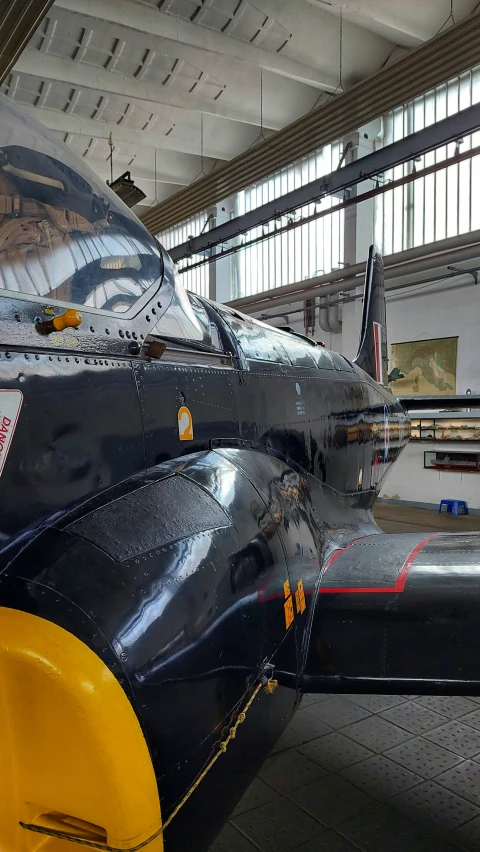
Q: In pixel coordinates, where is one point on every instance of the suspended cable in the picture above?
(340, 70)
(450, 18)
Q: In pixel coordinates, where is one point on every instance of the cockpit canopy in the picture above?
(64, 235)
(66, 238)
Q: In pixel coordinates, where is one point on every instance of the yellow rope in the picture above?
(269, 687)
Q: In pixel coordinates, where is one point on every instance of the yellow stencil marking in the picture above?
(286, 588)
(288, 607)
(300, 598)
(185, 424)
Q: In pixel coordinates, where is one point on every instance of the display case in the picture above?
(452, 460)
(446, 427)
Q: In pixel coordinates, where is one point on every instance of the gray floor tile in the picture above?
(468, 835)
(313, 698)
(280, 745)
(435, 806)
(423, 757)
(288, 770)
(380, 777)
(257, 794)
(305, 726)
(376, 733)
(376, 703)
(335, 751)
(413, 717)
(436, 844)
(456, 737)
(230, 840)
(329, 841)
(472, 719)
(463, 779)
(383, 829)
(452, 706)
(279, 826)
(332, 800)
(338, 712)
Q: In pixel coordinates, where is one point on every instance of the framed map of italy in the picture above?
(428, 367)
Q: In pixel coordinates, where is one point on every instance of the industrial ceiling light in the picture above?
(126, 189)
(124, 185)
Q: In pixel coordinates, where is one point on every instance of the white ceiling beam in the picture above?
(145, 19)
(397, 17)
(82, 76)
(93, 127)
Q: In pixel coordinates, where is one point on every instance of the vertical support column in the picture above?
(359, 232)
(220, 271)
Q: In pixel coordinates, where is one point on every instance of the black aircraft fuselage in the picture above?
(186, 514)
(169, 557)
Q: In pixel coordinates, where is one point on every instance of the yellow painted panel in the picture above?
(72, 753)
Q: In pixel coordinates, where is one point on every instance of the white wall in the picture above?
(409, 481)
(445, 309)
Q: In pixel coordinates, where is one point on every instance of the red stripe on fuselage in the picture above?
(401, 579)
(377, 337)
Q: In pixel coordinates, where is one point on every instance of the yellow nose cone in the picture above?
(69, 319)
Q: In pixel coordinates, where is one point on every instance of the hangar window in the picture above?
(64, 236)
(302, 252)
(442, 204)
(195, 280)
(299, 253)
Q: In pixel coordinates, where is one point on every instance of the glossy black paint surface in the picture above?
(171, 559)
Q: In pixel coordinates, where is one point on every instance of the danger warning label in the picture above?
(10, 405)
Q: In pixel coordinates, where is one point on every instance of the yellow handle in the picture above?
(70, 319)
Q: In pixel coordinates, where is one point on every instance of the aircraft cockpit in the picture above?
(67, 241)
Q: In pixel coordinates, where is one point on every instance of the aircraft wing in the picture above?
(397, 614)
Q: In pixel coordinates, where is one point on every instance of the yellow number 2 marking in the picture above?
(185, 424)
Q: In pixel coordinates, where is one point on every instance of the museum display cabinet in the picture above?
(446, 426)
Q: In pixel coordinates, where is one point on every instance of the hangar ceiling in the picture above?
(183, 86)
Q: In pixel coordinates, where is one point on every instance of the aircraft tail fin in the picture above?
(372, 352)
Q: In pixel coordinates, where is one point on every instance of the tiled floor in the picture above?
(375, 773)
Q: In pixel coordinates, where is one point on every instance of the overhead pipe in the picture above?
(430, 256)
(391, 272)
(461, 279)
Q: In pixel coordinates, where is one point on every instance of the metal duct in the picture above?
(335, 317)
(391, 272)
(323, 317)
(434, 62)
(429, 256)
(330, 317)
(18, 23)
